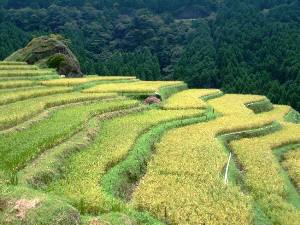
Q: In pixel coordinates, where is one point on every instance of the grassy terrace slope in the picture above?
(14, 96)
(16, 113)
(90, 79)
(89, 151)
(292, 164)
(141, 88)
(16, 84)
(87, 168)
(195, 167)
(193, 99)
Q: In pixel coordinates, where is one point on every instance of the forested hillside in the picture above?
(244, 46)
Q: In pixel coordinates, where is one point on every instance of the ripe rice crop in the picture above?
(235, 104)
(268, 167)
(26, 73)
(189, 99)
(17, 148)
(18, 112)
(18, 67)
(16, 84)
(10, 97)
(263, 173)
(183, 183)
(48, 167)
(111, 157)
(12, 63)
(85, 170)
(292, 164)
(77, 81)
(32, 78)
(19, 89)
(120, 179)
(145, 87)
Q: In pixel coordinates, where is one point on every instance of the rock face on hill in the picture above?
(49, 51)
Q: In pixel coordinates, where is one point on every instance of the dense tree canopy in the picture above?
(245, 46)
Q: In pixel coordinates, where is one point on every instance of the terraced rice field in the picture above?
(15, 95)
(73, 82)
(292, 164)
(193, 99)
(25, 73)
(90, 151)
(16, 84)
(140, 88)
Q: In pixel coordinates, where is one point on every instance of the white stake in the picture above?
(226, 172)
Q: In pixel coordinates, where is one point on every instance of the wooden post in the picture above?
(226, 172)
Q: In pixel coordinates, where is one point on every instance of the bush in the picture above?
(55, 61)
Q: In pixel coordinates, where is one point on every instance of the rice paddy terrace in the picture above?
(89, 151)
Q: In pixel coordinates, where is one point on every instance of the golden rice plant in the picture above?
(26, 73)
(292, 164)
(15, 113)
(234, 103)
(183, 183)
(18, 148)
(259, 161)
(9, 97)
(86, 169)
(77, 81)
(31, 78)
(189, 99)
(263, 177)
(146, 87)
(16, 84)
(18, 67)
(12, 63)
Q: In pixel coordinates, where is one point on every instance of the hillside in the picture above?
(245, 46)
(89, 151)
(49, 52)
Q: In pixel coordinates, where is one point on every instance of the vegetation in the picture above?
(88, 167)
(17, 67)
(94, 150)
(30, 205)
(16, 84)
(25, 73)
(18, 148)
(213, 44)
(78, 81)
(139, 88)
(48, 166)
(181, 162)
(189, 99)
(21, 111)
(293, 116)
(121, 178)
(271, 190)
(49, 51)
(14, 96)
(291, 164)
(31, 78)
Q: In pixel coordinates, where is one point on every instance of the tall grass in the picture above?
(18, 112)
(20, 147)
(183, 183)
(87, 168)
(10, 97)
(78, 81)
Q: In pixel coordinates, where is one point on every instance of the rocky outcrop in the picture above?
(49, 52)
